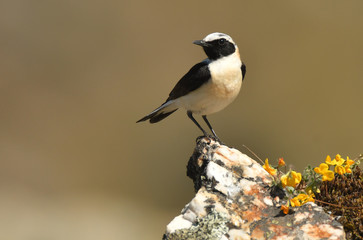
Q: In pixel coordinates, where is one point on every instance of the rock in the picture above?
(235, 199)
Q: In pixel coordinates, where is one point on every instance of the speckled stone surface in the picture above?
(235, 200)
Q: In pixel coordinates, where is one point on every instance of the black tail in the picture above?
(156, 116)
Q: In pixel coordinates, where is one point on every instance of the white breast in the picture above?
(219, 91)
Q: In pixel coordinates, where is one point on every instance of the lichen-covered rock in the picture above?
(236, 200)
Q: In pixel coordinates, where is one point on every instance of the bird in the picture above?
(209, 86)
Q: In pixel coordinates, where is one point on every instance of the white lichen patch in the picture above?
(212, 227)
(246, 185)
(238, 234)
(177, 223)
(197, 205)
(249, 173)
(226, 180)
(257, 171)
(299, 217)
(233, 157)
(268, 201)
(190, 215)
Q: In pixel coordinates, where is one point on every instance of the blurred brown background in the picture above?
(76, 75)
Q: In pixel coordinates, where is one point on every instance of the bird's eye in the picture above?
(222, 41)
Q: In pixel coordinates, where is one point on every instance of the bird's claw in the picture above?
(210, 137)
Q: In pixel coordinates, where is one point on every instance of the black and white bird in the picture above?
(209, 86)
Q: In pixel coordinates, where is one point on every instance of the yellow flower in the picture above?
(323, 169)
(291, 179)
(347, 169)
(295, 202)
(304, 198)
(269, 169)
(301, 199)
(339, 169)
(328, 176)
(349, 162)
(339, 160)
(329, 161)
(285, 209)
(281, 162)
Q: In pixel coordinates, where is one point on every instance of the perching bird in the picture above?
(209, 86)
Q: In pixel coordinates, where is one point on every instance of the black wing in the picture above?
(196, 77)
(243, 68)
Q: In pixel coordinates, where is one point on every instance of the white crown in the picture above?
(217, 35)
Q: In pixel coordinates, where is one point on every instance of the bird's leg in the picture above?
(190, 115)
(210, 127)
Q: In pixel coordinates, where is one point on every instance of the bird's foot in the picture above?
(215, 138)
(210, 137)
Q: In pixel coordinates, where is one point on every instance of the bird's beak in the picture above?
(201, 43)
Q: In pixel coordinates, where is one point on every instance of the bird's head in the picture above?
(217, 45)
